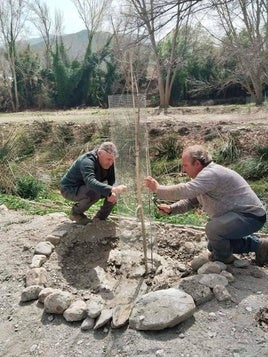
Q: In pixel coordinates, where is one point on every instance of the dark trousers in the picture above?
(85, 198)
(232, 233)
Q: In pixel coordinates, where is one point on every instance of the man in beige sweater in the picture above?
(234, 209)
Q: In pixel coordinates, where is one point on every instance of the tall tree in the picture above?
(42, 21)
(13, 15)
(92, 13)
(29, 78)
(132, 58)
(157, 17)
(244, 44)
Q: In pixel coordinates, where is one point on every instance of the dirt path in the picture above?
(217, 114)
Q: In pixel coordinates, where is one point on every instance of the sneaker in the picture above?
(81, 218)
(262, 253)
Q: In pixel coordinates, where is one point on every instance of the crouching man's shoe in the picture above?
(262, 253)
(228, 260)
(81, 219)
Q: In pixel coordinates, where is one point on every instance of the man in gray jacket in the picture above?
(234, 209)
(90, 178)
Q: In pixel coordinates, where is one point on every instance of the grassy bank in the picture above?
(35, 154)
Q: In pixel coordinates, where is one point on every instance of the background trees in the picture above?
(12, 19)
(175, 55)
(244, 49)
(157, 17)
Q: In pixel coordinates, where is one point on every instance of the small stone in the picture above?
(88, 324)
(50, 318)
(53, 239)
(241, 263)
(212, 316)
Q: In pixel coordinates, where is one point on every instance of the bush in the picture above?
(29, 187)
(169, 148)
(263, 152)
(252, 168)
(229, 151)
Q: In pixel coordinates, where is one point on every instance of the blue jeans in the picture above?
(231, 233)
(85, 198)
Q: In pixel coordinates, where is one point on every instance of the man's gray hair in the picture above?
(109, 147)
(198, 152)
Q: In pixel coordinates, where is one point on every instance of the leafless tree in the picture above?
(158, 18)
(58, 23)
(42, 21)
(92, 13)
(245, 27)
(13, 15)
(131, 56)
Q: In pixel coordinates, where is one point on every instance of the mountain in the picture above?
(75, 44)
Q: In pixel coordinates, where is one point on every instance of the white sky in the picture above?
(71, 20)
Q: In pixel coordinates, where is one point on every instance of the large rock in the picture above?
(44, 248)
(161, 309)
(36, 276)
(212, 280)
(77, 311)
(199, 292)
(30, 293)
(121, 315)
(57, 302)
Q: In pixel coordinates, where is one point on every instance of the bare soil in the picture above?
(237, 328)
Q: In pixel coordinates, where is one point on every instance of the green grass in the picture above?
(42, 206)
(56, 203)
(191, 218)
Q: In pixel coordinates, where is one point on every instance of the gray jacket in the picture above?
(217, 190)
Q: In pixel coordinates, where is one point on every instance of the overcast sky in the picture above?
(71, 20)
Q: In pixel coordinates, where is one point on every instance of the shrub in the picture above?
(65, 134)
(169, 148)
(263, 152)
(229, 151)
(29, 187)
(42, 131)
(252, 168)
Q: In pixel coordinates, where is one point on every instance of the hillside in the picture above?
(75, 44)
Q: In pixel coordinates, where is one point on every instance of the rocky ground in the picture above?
(84, 264)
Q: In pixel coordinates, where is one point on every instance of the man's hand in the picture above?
(151, 183)
(112, 198)
(119, 189)
(164, 209)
